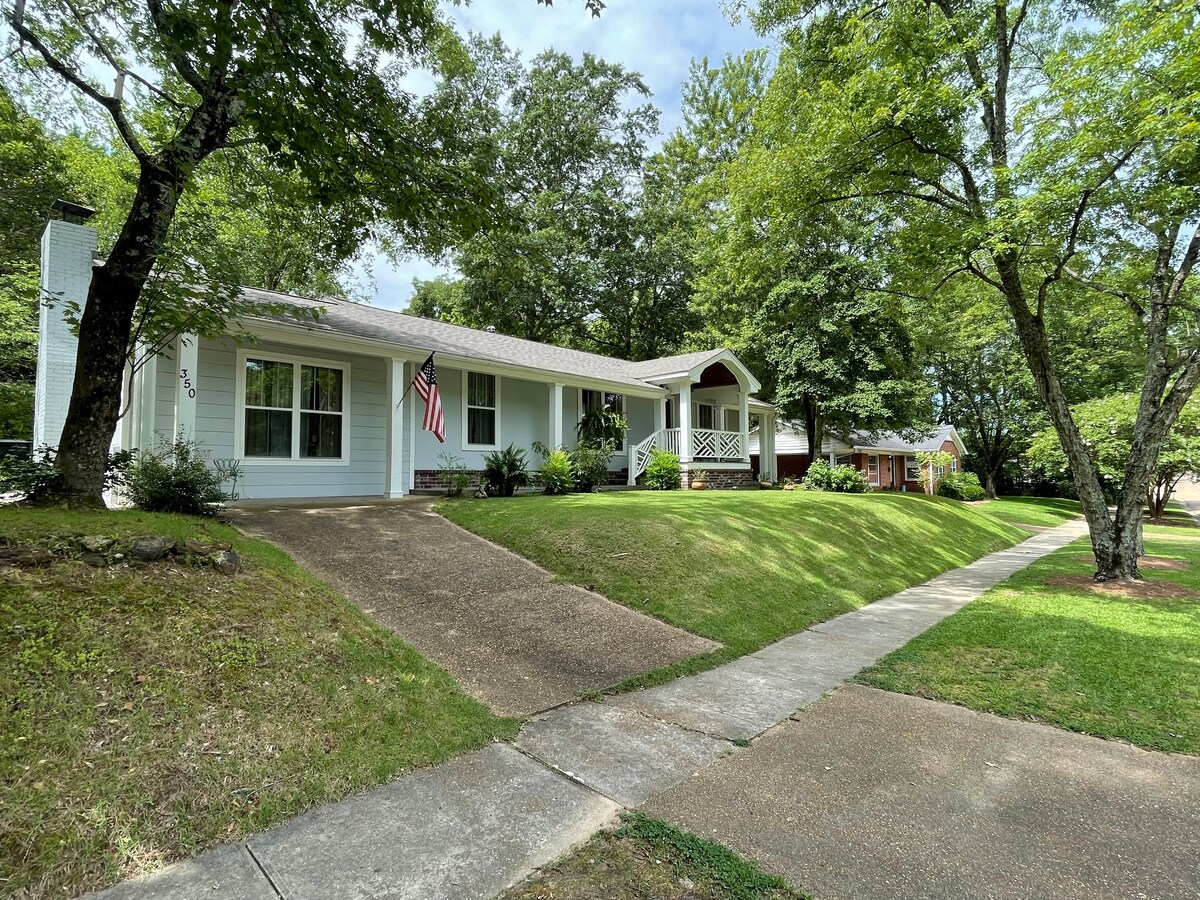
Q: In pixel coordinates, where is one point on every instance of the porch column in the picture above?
(147, 397)
(186, 382)
(412, 430)
(660, 414)
(395, 481)
(556, 416)
(744, 426)
(766, 446)
(685, 423)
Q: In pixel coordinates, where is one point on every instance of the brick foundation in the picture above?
(728, 480)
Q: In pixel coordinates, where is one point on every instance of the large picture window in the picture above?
(482, 400)
(590, 400)
(912, 469)
(293, 409)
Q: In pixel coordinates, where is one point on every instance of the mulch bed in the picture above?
(1135, 590)
(1165, 563)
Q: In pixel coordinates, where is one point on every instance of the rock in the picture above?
(151, 549)
(96, 543)
(95, 560)
(191, 545)
(789, 487)
(226, 562)
(34, 556)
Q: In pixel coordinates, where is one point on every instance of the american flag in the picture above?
(426, 385)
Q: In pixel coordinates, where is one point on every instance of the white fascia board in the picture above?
(300, 334)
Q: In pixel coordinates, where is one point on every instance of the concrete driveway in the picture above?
(495, 621)
(869, 794)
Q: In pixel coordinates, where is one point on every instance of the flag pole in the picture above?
(408, 387)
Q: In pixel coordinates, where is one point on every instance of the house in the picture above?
(888, 460)
(320, 408)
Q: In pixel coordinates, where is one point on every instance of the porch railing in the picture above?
(707, 445)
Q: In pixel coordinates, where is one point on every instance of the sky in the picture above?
(658, 38)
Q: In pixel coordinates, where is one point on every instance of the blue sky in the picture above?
(657, 38)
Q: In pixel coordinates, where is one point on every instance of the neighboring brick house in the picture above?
(888, 460)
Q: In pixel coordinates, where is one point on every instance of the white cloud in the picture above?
(658, 38)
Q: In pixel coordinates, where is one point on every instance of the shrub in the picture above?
(848, 480)
(37, 478)
(663, 471)
(558, 477)
(453, 474)
(961, 486)
(504, 471)
(819, 477)
(174, 478)
(842, 479)
(589, 462)
(16, 411)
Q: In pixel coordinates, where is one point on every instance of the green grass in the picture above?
(647, 858)
(742, 568)
(1106, 665)
(1043, 511)
(151, 712)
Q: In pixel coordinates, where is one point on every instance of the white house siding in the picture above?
(366, 440)
(166, 373)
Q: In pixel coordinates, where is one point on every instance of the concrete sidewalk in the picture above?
(471, 827)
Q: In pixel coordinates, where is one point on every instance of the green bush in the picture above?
(16, 411)
(558, 477)
(842, 479)
(504, 471)
(819, 476)
(663, 471)
(961, 486)
(175, 478)
(589, 462)
(37, 478)
(453, 473)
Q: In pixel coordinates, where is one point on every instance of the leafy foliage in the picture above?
(16, 411)
(663, 471)
(505, 470)
(38, 478)
(961, 486)
(602, 425)
(821, 476)
(557, 474)
(453, 473)
(175, 477)
(1107, 427)
(589, 462)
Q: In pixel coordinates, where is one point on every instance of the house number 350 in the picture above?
(187, 383)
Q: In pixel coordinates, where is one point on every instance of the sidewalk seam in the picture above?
(265, 874)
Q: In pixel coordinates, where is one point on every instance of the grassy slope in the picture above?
(149, 713)
(1103, 665)
(741, 568)
(1047, 511)
(647, 858)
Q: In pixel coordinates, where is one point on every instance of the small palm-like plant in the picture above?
(505, 471)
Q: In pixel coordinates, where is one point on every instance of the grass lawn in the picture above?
(647, 858)
(742, 568)
(1044, 511)
(151, 712)
(1100, 663)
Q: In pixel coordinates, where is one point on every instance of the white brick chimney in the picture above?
(67, 253)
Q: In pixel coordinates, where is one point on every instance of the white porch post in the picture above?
(766, 446)
(660, 415)
(556, 416)
(186, 383)
(744, 426)
(412, 430)
(685, 424)
(395, 486)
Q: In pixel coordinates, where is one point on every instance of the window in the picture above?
(873, 469)
(732, 419)
(845, 459)
(590, 401)
(292, 410)
(912, 469)
(954, 464)
(482, 405)
(706, 416)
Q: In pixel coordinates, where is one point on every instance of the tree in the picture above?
(315, 86)
(1026, 148)
(1107, 426)
(437, 298)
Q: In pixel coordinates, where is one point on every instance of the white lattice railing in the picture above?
(707, 444)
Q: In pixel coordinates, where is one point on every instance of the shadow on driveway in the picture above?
(495, 621)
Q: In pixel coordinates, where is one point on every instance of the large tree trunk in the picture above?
(104, 332)
(989, 483)
(814, 431)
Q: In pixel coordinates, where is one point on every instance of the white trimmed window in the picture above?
(706, 416)
(912, 469)
(873, 468)
(292, 409)
(954, 464)
(845, 459)
(731, 418)
(590, 400)
(481, 411)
